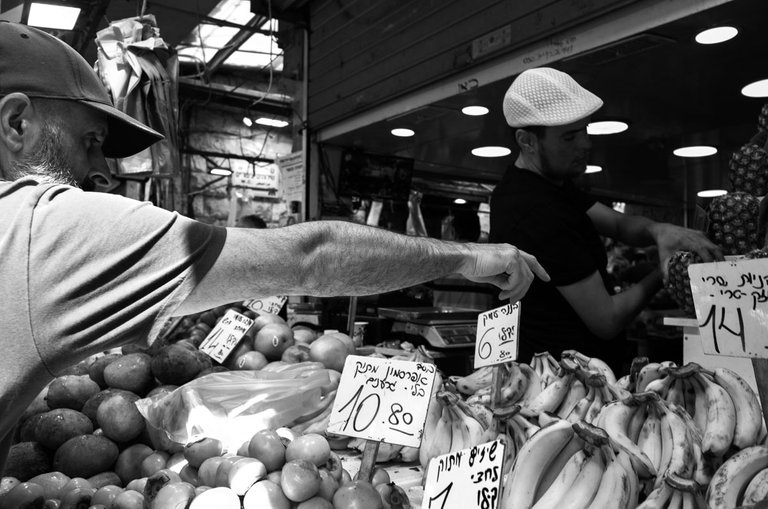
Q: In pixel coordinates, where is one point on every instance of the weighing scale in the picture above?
(441, 327)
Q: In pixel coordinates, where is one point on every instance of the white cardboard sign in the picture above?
(271, 305)
(225, 335)
(497, 335)
(731, 300)
(384, 400)
(467, 478)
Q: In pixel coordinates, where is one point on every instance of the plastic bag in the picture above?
(233, 405)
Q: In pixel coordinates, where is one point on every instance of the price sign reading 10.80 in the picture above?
(383, 400)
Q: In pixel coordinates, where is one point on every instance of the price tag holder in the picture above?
(467, 478)
(497, 335)
(271, 305)
(731, 300)
(382, 400)
(225, 335)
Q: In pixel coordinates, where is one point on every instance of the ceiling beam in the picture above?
(233, 45)
(242, 99)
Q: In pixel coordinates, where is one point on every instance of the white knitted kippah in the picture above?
(547, 97)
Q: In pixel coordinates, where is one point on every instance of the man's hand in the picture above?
(505, 266)
(671, 238)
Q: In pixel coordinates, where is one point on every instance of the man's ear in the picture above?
(526, 140)
(16, 118)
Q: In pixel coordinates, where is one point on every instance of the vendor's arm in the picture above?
(339, 258)
(607, 315)
(641, 231)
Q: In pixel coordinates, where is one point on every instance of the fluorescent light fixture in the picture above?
(247, 121)
(491, 151)
(402, 132)
(695, 151)
(460, 201)
(716, 35)
(593, 168)
(224, 172)
(271, 122)
(474, 111)
(59, 17)
(756, 89)
(711, 193)
(607, 127)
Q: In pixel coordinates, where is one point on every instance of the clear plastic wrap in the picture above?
(232, 405)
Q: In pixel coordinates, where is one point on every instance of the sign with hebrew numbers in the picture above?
(731, 300)
(271, 305)
(225, 335)
(466, 478)
(497, 335)
(384, 400)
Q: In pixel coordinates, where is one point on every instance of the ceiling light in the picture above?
(756, 89)
(224, 172)
(59, 17)
(593, 168)
(695, 151)
(491, 151)
(271, 122)
(711, 193)
(402, 132)
(716, 35)
(607, 127)
(460, 201)
(247, 121)
(474, 111)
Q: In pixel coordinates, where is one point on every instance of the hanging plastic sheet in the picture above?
(141, 72)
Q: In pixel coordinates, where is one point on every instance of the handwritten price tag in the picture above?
(384, 400)
(467, 478)
(731, 300)
(271, 305)
(497, 335)
(225, 335)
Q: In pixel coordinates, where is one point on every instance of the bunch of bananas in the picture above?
(458, 426)
(519, 384)
(546, 366)
(741, 481)
(571, 465)
(723, 406)
(514, 430)
(591, 364)
(675, 493)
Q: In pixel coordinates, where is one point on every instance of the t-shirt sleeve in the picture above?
(106, 270)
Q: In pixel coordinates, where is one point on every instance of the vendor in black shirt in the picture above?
(537, 208)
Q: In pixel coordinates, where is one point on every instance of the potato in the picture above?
(96, 369)
(131, 372)
(85, 456)
(119, 418)
(176, 365)
(71, 391)
(59, 425)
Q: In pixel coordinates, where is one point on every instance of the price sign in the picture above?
(271, 305)
(384, 400)
(467, 478)
(731, 300)
(225, 335)
(497, 335)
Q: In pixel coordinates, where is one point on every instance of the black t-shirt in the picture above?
(551, 223)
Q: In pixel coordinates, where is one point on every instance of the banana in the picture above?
(634, 481)
(676, 394)
(615, 420)
(558, 463)
(562, 482)
(625, 383)
(647, 373)
(527, 426)
(594, 407)
(459, 430)
(586, 484)
(516, 384)
(658, 498)
(636, 423)
(660, 386)
(437, 441)
(666, 449)
(613, 492)
(699, 414)
(749, 416)
(592, 364)
(757, 489)
(649, 440)
(532, 461)
(689, 396)
(478, 379)
(550, 398)
(676, 500)
(703, 472)
(532, 386)
(689, 501)
(721, 418)
(682, 459)
(581, 407)
(734, 475)
(576, 392)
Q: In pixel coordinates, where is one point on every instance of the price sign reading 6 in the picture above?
(497, 335)
(383, 400)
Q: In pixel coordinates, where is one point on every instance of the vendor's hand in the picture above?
(505, 266)
(671, 238)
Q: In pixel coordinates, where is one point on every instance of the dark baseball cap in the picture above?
(39, 65)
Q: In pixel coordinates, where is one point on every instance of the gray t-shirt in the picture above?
(81, 273)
